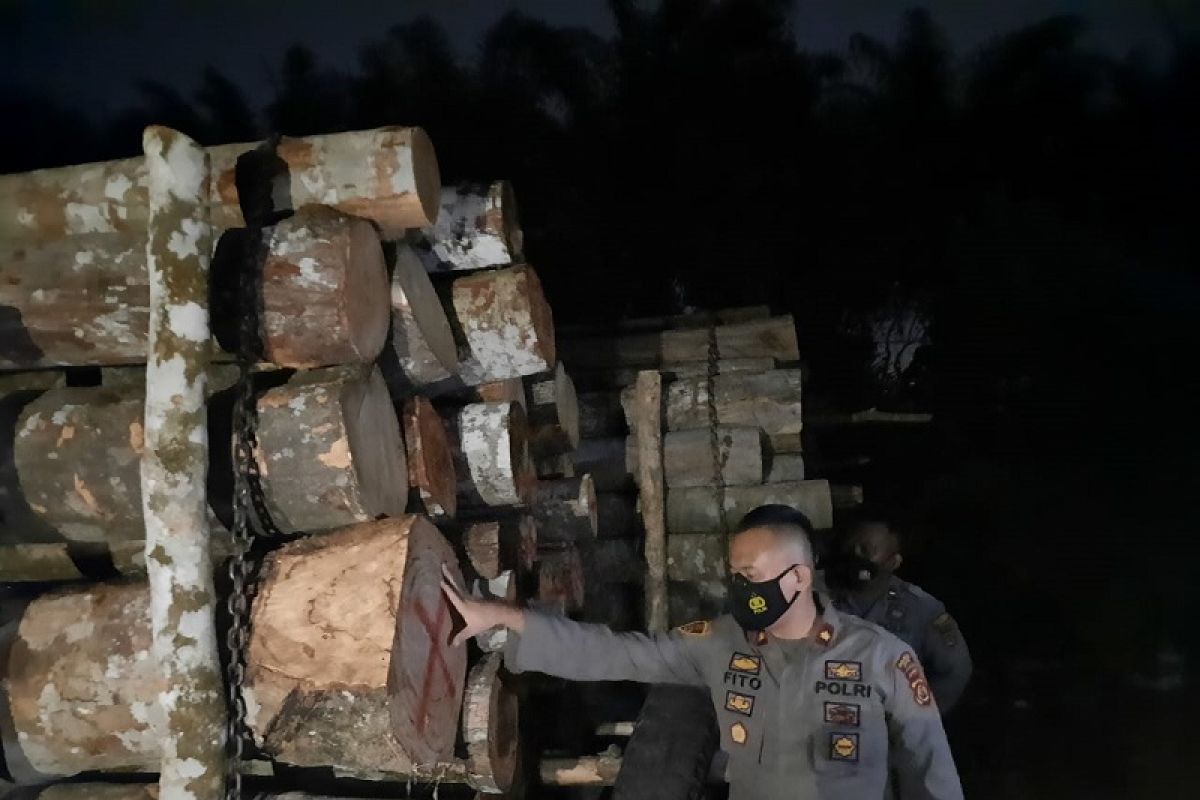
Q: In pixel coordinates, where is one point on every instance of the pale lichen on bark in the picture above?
(174, 467)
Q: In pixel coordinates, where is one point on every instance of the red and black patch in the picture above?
(908, 664)
(845, 714)
(843, 670)
(739, 703)
(843, 747)
(947, 628)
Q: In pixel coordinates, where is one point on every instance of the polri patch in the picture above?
(748, 665)
(738, 733)
(845, 714)
(843, 747)
(843, 670)
(908, 664)
(739, 703)
(700, 627)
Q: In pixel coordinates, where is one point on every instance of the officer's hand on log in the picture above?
(477, 615)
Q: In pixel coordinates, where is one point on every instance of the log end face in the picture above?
(427, 177)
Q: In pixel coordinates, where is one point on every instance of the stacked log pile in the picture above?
(756, 402)
(412, 412)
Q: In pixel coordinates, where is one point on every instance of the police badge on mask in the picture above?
(758, 606)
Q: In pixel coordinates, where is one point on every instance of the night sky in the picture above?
(91, 59)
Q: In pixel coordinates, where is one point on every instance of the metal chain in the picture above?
(250, 514)
(714, 439)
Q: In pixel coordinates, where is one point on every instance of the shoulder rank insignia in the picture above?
(843, 670)
(750, 665)
(739, 703)
(843, 747)
(700, 627)
(947, 628)
(738, 733)
(908, 664)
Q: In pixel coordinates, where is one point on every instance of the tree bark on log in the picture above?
(477, 227)
(82, 684)
(645, 421)
(174, 469)
(768, 338)
(565, 511)
(496, 546)
(348, 663)
(560, 579)
(770, 400)
(688, 458)
(553, 413)
(697, 557)
(506, 324)
(324, 290)
(490, 728)
(421, 334)
(105, 197)
(619, 378)
(330, 450)
(491, 455)
(430, 463)
(695, 510)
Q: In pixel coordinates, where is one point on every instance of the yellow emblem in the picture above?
(738, 733)
(757, 604)
(700, 627)
(744, 663)
(844, 747)
(843, 670)
(739, 703)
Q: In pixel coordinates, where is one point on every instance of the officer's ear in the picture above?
(804, 577)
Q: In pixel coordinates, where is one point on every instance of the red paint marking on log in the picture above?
(436, 659)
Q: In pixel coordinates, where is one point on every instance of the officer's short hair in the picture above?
(785, 522)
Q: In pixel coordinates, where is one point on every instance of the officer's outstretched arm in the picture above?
(948, 661)
(923, 759)
(576, 651)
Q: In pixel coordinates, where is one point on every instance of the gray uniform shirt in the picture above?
(921, 620)
(799, 720)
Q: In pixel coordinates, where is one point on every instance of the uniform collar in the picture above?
(825, 632)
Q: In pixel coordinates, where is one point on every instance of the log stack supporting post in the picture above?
(174, 469)
(647, 422)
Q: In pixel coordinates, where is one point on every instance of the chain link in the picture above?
(714, 435)
(251, 516)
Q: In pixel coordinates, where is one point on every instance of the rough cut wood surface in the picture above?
(335, 615)
(768, 400)
(490, 728)
(498, 545)
(324, 290)
(430, 462)
(83, 684)
(331, 451)
(421, 335)
(695, 510)
(553, 413)
(565, 510)
(506, 324)
(489, 442)
(477, 227)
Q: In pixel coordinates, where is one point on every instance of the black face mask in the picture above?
(847, 572)
(758, 606)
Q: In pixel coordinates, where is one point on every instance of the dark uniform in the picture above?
(921, 620)
(800, 719)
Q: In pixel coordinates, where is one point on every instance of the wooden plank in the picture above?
(646, 422)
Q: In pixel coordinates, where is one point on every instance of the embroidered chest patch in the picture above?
(739, 703)
(843, 747)
(845, 714)
(749, 665)
(843, 670)
(738, 733)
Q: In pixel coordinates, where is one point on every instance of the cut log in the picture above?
(619, 378)
(565, 511)
(786, 467)
(601, 770)
(506, 324)
(37, 562)
(695, 319)
(496, 546)
(767, 338)
(82, 684)
(645, 420)
(430, 462)
(387, 175)
(324, 290)
(688, 457)
(695, 510)
(553, 413)
(332, 614)
(421, 334)
(769, 400)
(330, 450)
(47, 204)
(491, 455)
(41, 380)
(77, 454)
(476, 228)
(490, 728)
(618, 516)
(601, 415)
(133, 791)
(560, 579)
(697, 557)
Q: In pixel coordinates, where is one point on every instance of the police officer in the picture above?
(808, 700)
(862, 581)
